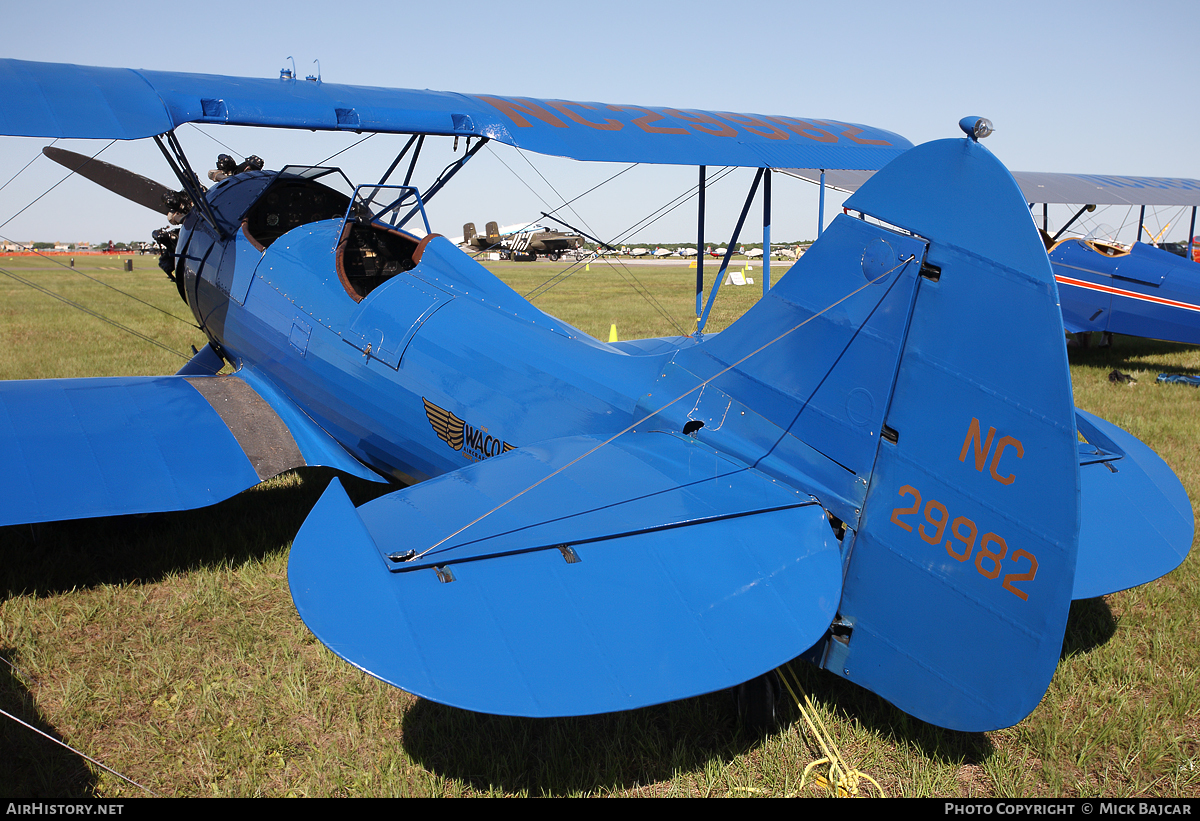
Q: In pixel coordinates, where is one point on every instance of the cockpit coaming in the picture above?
(263, 206)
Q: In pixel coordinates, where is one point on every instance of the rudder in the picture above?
(960, 574)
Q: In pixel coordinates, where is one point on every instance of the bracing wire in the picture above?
(575, 267)
(347, 148)
(61, 743)
(622, 269)
(518, 176)
(59, 263)
(89, 311)
(26, 165)
(652, 414)
(215, 140)
(65, 745)
(51, 188)
(73, 304)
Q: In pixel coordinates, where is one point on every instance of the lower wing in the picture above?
(80, 448)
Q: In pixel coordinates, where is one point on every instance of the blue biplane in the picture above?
(596, 527)
(1137, 289)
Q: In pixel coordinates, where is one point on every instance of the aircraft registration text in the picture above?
(964, 532)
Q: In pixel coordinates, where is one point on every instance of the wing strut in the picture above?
(187, 178)
(419, 139)
(1192, 236)
(728, 253)
(766, 274)
(1079, 214)
(447, 174)
(700, 247)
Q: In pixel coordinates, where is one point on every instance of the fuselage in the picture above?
(1144, 291)
(418, 360)
(410, 354)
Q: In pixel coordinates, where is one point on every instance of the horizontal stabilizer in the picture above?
(80, 448)
(1137, 522)
(649, 570)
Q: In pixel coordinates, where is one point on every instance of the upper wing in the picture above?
(1098, 189)
(78, 448)
(649, 570)
(1105, 189)
(56, 100)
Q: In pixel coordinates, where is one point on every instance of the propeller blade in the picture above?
(129, 185)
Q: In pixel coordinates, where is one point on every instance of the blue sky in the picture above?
(1102, 87)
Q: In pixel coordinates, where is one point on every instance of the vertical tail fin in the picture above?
(469, 233)
(961, 570)
(912, 375)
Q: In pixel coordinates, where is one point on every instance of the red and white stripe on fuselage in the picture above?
(1108, 289)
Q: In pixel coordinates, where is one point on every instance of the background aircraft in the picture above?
(1136, 288)
(521, 242)
(608, 526)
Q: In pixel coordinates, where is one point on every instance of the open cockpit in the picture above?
(370, 254)
(369, 250)
(1103, 247)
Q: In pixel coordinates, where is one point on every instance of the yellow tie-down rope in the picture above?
(840, 780)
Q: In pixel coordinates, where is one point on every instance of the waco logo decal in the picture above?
(475, 443)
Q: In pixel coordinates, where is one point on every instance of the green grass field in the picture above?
(167, 647)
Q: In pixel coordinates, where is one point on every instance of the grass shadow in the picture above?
(35, 767)
(566, 756)
(57, 557)
(589, 754)
(857, 706)
(1134, 353)
(1090, 624)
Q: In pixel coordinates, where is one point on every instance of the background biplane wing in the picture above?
(1098, 189)
(57, 100)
